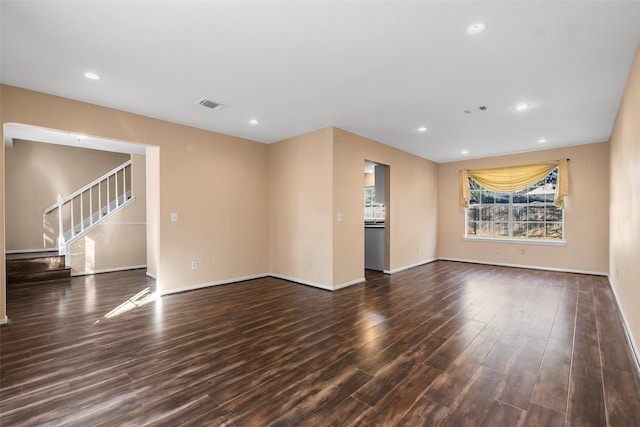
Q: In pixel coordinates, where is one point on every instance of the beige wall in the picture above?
(624, 254)
(300, 186)
(36, 173)
(316, 177)
(586, 235)
(217, 184)
(411, 211)
(120, 241)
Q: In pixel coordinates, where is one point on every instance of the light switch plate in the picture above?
(174, 217)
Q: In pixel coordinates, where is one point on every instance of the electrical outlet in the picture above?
(174, 217)
(194, 265)
(339, 216)
(309, 263)
(521, 251)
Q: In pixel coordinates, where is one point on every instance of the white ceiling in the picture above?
(380, 69)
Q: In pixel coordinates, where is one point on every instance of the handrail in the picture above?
(88, 186)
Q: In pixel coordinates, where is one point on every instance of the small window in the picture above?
(526, 214)
(373, 212)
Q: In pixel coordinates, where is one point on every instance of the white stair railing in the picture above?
(113, 191)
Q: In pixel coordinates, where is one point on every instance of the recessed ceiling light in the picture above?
(542, 140)
(476, 28)
(465, 151)
(92, 76)
(422, 129)
(523, 106)
(254, 122)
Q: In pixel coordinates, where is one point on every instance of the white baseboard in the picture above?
(532, 267)
(303, 282)
(318, 285)
(259, 276)
(153, 276)
(627, 331)
(347, 284)
(4, 320)
(162, 292)
(107, 270)
(407, 267)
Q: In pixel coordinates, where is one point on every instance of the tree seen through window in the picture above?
(527, 213)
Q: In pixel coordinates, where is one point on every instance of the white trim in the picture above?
(351, 283)
(303, 282)
(27, 251)
(163, 292)
(4, 320)
(153, 276)
(532, 267)
(407, 267)
(625, 324)
(259, 276)
(108, 270)
(518, 241)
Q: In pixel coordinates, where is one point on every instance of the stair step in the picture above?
(36, 267)
(49, 276)
(34, 263)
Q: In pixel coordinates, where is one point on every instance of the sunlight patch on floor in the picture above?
(143, 297)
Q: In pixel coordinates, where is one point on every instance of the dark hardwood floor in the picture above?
(443, 344)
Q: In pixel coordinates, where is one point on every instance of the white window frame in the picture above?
(377, 210)
(510, 223)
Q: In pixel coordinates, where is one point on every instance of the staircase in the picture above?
(84, 209)
(36, 268)
(75, 215)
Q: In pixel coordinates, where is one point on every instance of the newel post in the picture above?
(61, 241)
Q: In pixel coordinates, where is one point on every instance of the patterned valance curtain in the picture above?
(515, 178)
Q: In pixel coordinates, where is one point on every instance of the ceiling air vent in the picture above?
(210, 104)
(476, 109)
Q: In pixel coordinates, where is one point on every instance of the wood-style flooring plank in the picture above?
(319, 405)
(540, 416)
(586, 404)
(621, 398)
(389, 410)
(424, 413)
(552, 385)
(478, 397)
(503, 415)
(521, 379)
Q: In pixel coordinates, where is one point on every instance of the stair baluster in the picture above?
(61, 239)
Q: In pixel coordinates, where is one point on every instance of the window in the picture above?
(373, 212)
(527, 214)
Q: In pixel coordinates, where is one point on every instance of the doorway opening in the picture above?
(41, 150)
(376, 216)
